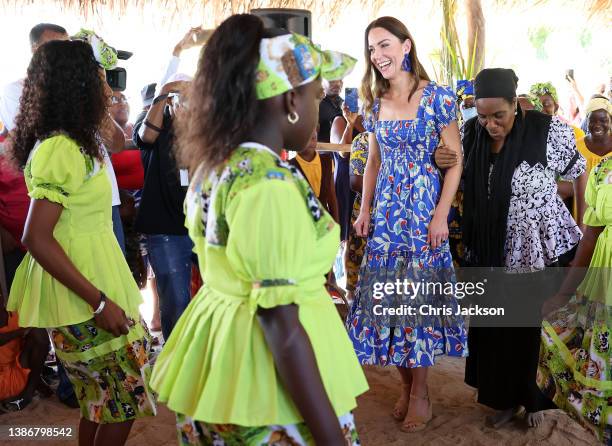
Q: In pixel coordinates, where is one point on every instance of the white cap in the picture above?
(179, 77)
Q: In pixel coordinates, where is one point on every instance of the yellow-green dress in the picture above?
(263, 240)
(575, 368)
(592, 159)
(109, 374)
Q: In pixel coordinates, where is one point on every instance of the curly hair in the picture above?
(223, 107)
(62, 93)
(371, 76)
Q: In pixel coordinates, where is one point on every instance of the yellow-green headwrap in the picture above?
(105, 54)
(543, 88)
(291, 60)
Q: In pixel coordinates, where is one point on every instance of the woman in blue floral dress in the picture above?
(408, 230)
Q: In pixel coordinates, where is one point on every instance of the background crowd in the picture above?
(95, 207)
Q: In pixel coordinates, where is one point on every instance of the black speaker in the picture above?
(293, 20)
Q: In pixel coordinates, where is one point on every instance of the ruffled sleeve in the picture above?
(562, 155)
(444, 107)
(57, 169)
(270, 238)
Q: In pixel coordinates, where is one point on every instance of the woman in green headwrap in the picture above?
(260, 355)
(546, 100)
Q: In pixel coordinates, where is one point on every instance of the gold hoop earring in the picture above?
(293, 117)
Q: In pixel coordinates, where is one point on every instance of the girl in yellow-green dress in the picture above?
(260, 356)
(74, 281)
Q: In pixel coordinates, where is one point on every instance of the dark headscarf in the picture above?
(495, 83)
(487, 200)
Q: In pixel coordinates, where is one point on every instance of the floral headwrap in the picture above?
(292, 60)
(105, 54)
(543, 88)
(465, 89)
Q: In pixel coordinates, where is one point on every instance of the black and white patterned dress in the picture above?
(540, 228)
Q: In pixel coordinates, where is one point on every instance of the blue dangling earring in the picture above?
(406, 63)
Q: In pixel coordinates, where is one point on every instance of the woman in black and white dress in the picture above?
(514, 220)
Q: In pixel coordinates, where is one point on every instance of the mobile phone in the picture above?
(351, 99)
(569, 74)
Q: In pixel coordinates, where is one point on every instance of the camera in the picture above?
(117, 77)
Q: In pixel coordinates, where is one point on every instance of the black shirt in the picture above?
(161, 205)
(329, 108)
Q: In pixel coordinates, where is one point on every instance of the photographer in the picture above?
(160, 217)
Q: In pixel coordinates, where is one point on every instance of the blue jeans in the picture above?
(170, 258)
(64, 388)
(118, 228)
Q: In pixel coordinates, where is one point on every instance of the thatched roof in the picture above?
(214, 11)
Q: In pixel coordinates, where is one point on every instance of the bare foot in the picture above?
(501, 417)
(401, 406)
(534, 419)
(155, 325)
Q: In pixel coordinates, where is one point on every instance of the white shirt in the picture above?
(112, 178)
(9, 103)
(171, 69)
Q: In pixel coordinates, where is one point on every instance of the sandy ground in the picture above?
(458, 420)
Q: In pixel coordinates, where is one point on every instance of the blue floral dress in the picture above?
(407, 191)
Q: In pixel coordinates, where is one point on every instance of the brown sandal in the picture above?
(401, 406)
(419, 423)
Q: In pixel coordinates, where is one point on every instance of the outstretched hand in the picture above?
(189, 40)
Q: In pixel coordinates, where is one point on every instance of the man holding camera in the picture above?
(160, 217)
